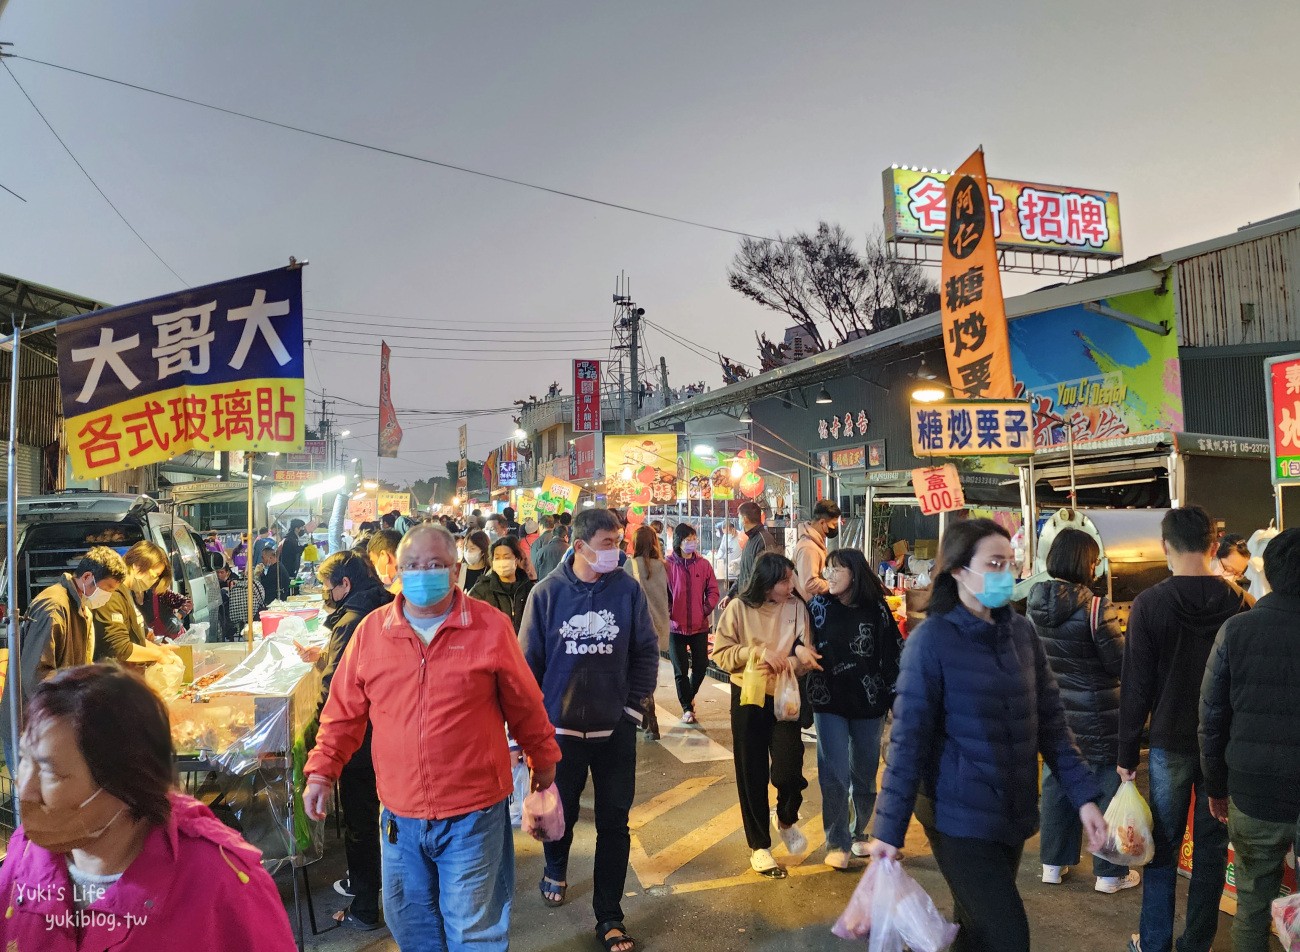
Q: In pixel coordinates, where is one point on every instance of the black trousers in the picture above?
(612, 765)
(981, 875)
(765, 749)
(690, 657)
(359, 800)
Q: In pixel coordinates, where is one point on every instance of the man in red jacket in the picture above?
(438, 676)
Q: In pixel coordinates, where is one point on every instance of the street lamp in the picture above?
(520, 434)
(928, 393)
(345, 434)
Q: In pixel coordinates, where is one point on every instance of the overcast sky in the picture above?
(758, 116)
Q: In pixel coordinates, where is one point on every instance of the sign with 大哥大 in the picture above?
(972, 428)
(215, 368)
(1027, 216)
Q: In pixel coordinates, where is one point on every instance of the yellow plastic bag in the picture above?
(1128, 828)
(753, 682)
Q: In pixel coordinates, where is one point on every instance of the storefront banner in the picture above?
(527, 505)
(508, 473)
(558, 495)
(1027, 216)
(971, 428)
(363, 510)
(850, 424)
(390, 433)
(855, 457)
(585, 450)
(1283, 377)
(709, 478)
(294, 477)
(938, 489)
(970, 293)
(1108, 378)
(214, 368)
(313, 455)
(586, 396)
(641, 470)
(389, 501)
(875, 455)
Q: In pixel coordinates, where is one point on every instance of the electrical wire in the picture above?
(372, 333)
(460, 350)
(398, 356)
(398, 154)
(89, 178)
(422, 325)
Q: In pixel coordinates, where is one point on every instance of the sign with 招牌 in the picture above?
(972, 428)
(213, 368)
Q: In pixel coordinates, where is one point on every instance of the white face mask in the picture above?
(97, 598)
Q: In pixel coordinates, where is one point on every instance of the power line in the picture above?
(459, 350)
(372, 333)
(482, 326)
(398, 154)
(90, 178)
(399, 356)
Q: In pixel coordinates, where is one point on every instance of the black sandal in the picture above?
(562, 889)
(620, 936)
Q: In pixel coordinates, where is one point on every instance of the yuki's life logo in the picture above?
(589, 633)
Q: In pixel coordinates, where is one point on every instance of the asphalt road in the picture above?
(691, 888)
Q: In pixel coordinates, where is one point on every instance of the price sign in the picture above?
(938, 489)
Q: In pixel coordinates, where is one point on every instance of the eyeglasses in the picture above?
(996, 565)
(426, 567)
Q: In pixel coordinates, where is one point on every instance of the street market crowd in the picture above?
(472, 665)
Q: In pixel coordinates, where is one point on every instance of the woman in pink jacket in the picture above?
(109, 855)
(694, 589)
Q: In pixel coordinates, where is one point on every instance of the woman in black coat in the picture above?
(505, 586)
(1081, 635)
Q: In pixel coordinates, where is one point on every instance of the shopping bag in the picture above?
(786, 700)
(519, 774)
(165, 676)
(892, 912)
(1286, 920)
(1128, 829)
(543, 815)
(753, 682)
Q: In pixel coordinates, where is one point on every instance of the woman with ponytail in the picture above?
(976, 705)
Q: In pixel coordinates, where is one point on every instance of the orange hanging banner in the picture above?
(974, 317)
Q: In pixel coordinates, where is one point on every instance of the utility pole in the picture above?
(627, 326)
(663, 378)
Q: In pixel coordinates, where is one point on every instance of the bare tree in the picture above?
(827, 287)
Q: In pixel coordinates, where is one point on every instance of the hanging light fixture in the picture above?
(746, 416)
(923, 372)
(824, 396)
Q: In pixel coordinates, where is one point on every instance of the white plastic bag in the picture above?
(544, 815)
(785, 699)
(196, 634)
(892, 912)
(520, 776)
(1128, 829)
(165, 676)
(1286, 920)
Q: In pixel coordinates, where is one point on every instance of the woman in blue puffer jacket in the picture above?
(976, 705)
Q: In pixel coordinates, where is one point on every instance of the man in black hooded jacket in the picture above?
(353, 591)
(1171, 630)
(1250, 738)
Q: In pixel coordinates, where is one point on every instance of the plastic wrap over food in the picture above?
(273, 668)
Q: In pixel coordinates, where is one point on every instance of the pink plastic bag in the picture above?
(892, 912)
(1286, 920)
(543, 815)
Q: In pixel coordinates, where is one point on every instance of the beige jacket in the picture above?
(809, 560)
(653, 576)
(742, 630)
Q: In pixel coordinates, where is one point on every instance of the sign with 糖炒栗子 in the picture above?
(938, 489)
(975, 339)
(972, 428)
(213, 368)
(1027, 216)
(1283, 388)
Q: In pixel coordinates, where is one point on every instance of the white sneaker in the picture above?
(861, 848)
(793, 839)
(837, 859)
(761, 861)
(1113, 884)
(1052, 874)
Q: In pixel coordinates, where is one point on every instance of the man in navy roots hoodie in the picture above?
(588, 637)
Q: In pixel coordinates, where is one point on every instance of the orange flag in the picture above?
(974, 318)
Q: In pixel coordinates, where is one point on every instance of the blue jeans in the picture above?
(448, 883)
(1062, 830)
(848, 754)
(1173, 776)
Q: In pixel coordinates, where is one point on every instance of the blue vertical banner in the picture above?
(215, 368)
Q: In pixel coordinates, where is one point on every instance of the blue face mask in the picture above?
(425, 587)
(998, 587)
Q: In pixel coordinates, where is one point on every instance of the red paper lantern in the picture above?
(636, 515)
(748, 460)
(750, 485)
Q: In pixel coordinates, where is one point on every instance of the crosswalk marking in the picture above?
(748, 878)
(690, 745)
(655, 870)
(652, 809)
